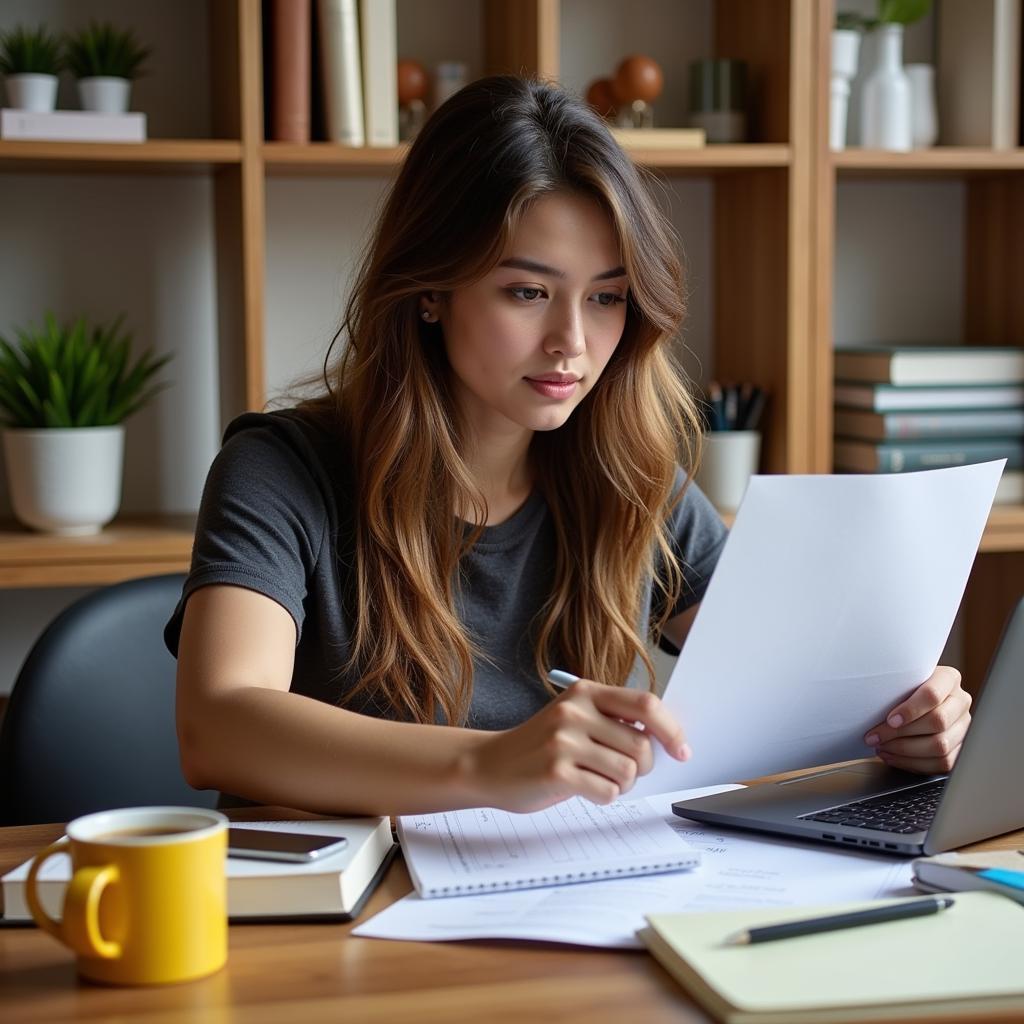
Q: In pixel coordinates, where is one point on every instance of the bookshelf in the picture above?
(772, 241)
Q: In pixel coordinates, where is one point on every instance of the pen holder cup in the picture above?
(729, 460)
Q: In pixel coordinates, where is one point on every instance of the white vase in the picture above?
(885, 97)
(65, 481)
(924, 115)
(845, 51)
(32, 92)
(104, 95)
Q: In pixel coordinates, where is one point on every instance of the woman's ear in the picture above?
(429, 311)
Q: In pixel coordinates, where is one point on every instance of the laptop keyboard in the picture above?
(910, 810)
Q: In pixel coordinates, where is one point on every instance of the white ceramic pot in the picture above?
(32, 92)
(104, 95)
(845, 53)
(65, 481)
(924, 114)
(729, 459)
(885, 98)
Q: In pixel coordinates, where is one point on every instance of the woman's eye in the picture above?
(526, 298)
(611, 296)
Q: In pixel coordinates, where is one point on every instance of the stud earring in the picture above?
(426, 314)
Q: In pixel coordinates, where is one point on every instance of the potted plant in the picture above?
(31, 60)
(105, 60)
(885, 98)
(64, 395)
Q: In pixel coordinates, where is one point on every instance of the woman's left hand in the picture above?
(924, 733)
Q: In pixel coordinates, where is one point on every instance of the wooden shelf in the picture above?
(1005, 529)
(161, 156)
(327, 158)
(126, 549)
(940, 160)
(713, 159)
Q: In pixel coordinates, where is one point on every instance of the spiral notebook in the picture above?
(483, 849)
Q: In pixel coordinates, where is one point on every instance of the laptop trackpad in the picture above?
(857, 782)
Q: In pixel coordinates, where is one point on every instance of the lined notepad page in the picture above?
(486, 850)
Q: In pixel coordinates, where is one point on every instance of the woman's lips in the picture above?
(552, 388)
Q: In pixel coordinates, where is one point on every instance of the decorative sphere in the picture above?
(601, 96)
(413, 83)
(638, 78)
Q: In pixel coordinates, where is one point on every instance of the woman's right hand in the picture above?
(582, 744)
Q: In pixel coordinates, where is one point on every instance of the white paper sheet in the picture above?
(831, 602)
(737, 870)
(484, 849)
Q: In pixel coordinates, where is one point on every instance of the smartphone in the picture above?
(295, 847)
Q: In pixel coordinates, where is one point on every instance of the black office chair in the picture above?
(90, 723)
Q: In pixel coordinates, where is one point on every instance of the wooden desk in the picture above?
(309, 973)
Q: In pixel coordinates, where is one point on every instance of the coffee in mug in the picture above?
(147, 900)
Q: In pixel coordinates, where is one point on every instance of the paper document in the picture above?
(485, 849)
(737, 870)
(831, 602)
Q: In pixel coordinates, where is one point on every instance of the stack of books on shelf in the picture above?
(331, 71)
(903, 408)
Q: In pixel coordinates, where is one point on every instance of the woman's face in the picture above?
(529, 341)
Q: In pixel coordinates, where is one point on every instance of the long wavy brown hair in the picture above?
(469, 176)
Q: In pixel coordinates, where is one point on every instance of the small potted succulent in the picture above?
(105, 60)
(31, 60)
(65, 392)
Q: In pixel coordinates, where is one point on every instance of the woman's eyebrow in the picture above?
(542, 268)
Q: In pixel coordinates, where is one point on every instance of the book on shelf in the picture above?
(1000, 871)
(72, 126)
(906, 456)
(291, 53)
(961, 962)
(889, 398)
(484, 849)
(978, 75)
(929, 365)
(379, 35)
(334, 888)
(341, 71)
(886, 426)
(660, 138)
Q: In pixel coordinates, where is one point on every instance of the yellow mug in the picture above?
(147, 900)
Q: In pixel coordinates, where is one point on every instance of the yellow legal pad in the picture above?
(965, 960)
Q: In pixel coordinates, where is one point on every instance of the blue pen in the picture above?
(561, 679)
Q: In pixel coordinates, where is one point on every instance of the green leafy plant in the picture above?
(890, 12)
(849, 21)
(104, 50)
(27, 51)
(74, 376)
(902, 12)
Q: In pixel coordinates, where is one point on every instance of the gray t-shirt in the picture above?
(276, 517)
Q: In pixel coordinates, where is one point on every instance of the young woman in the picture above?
(489, 488)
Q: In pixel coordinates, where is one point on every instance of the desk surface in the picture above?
(310, 973)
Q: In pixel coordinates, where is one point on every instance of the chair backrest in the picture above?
(90, 722)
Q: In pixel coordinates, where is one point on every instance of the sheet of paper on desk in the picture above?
(832, 600)
(737, 870)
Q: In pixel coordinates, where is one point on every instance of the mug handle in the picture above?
(42, 918)
(82, 912)
(80, 928)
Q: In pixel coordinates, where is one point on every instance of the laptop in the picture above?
(872, 806)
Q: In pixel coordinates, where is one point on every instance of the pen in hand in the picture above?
(811, 926)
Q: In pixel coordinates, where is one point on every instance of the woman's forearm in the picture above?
(282, 748)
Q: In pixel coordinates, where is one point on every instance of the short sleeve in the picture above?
(262, 520)
(698, 535)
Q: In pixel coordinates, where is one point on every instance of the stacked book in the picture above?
(903, 408)
(331, 71)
